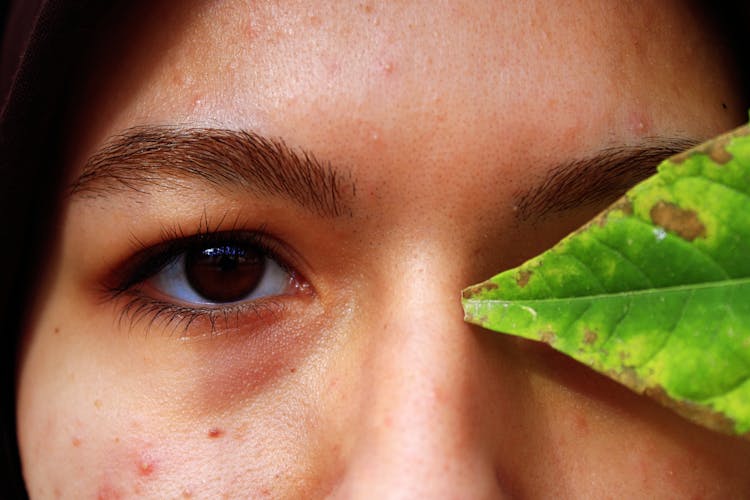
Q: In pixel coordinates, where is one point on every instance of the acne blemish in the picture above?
(215, 432)
(640, 124)
(76, 442)
(108, 492)
(145, 468)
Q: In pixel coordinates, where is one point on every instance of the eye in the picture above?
(220, 274)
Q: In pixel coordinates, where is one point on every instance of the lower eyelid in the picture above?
(139, 310)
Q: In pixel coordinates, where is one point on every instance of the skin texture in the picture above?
(366, 382)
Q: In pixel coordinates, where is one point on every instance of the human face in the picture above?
(355, 375)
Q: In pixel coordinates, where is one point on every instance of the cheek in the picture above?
(94, 426)
(71, 450)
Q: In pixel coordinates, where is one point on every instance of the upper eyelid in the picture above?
(150, 259)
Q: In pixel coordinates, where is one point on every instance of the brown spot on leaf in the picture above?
(523, 278)
(589, 337)
(719, 154)
(692, 411)
(623, 204)
(628, 377)
(716, 148)
(548, 337)
(684, 223)
(478, 289)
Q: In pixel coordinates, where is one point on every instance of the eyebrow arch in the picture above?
(594, 180)
(147, 157)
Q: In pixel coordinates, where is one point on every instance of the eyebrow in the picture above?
(600, 178)
(144, 158)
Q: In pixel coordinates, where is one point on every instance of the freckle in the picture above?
(724, 105)
(57, 328)
(314, 20)
(117, 440)
(292, 370)
(98, 403)
(215, 432)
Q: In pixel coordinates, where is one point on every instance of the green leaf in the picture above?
(654, 292)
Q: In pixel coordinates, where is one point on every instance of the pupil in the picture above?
(224, 274)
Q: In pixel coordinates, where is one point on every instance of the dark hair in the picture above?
(41, 59)
(41, 50)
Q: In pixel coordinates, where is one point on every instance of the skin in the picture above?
(367, 383)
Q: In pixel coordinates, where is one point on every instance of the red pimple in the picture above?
(640, 124)
(76, 442)
(107, 492)
(145, 468)
(215, 432)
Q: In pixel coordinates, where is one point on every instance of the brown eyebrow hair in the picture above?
(148, 157)
(597, 179)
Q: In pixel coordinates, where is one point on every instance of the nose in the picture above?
(420, 430)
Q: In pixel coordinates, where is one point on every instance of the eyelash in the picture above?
(149, 260)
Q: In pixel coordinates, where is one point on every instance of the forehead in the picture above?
(416, 83)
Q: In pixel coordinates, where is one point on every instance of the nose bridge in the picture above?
(418, 425)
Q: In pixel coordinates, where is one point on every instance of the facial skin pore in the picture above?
(362, 380)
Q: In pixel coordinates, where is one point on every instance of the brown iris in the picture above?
(224, 274)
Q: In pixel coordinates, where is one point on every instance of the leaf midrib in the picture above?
(629, 293)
